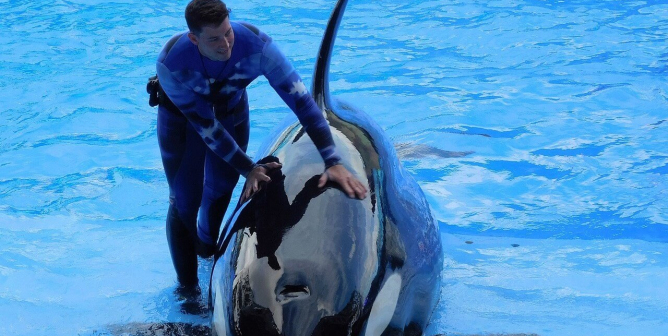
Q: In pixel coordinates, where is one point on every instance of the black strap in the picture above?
(172, 42)
(156, 95)
(251, 28)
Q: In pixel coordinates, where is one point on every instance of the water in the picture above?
(550, 189)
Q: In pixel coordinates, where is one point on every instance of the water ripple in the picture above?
(526, 119)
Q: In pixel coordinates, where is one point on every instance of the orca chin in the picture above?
(299, 260)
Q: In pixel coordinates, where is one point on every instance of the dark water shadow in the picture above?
(188, 308)
(157, 329)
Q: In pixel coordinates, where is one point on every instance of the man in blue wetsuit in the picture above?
(203, 125)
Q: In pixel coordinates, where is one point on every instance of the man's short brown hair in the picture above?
(200, 13)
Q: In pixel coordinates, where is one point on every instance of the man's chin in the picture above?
(219, 57)
(223, 57)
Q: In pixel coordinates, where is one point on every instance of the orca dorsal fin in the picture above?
(320, 88)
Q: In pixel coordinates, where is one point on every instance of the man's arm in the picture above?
(286, 82)
(200, 114)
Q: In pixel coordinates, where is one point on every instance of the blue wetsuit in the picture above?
(204, 135)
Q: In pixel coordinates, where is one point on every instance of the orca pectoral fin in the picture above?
(408, 150)
(159, 329)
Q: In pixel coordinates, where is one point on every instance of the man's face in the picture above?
(215, 42)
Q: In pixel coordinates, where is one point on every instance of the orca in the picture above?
(298, 260)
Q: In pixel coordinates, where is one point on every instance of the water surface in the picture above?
(544, 124)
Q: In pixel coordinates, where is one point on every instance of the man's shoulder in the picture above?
(255, 30)
(177, 52)
(250, 34)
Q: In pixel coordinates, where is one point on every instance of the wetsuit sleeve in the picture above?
(284, 79)
(200, 114)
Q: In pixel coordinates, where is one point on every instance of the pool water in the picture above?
(537, 129)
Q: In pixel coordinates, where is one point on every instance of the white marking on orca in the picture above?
(384, 306)
(262, 277)
(219, 321)
(263, 281)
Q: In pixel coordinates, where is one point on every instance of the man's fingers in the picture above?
(351, 186)
(322, 180)
(245, 195)
(256, 176)
(348, 188)
(362, 187)
(361, 192)
(357, 189)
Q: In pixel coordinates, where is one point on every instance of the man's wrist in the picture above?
(330, 165)
(254, 166)
(249, 170)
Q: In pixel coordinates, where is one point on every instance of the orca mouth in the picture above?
(293, 292)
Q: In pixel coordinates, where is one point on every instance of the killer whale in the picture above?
(301, 260)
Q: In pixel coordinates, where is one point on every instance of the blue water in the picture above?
(545, 125)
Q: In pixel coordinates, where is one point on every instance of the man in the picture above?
(203, 126)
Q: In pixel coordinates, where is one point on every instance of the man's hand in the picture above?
(257, 175)
(339, 174)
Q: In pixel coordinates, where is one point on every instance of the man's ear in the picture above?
(193, 38)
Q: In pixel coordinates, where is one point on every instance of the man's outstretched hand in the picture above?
(350, 184)
(337, 174)
(257, 175)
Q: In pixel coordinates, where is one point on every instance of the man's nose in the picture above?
(225, 43)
